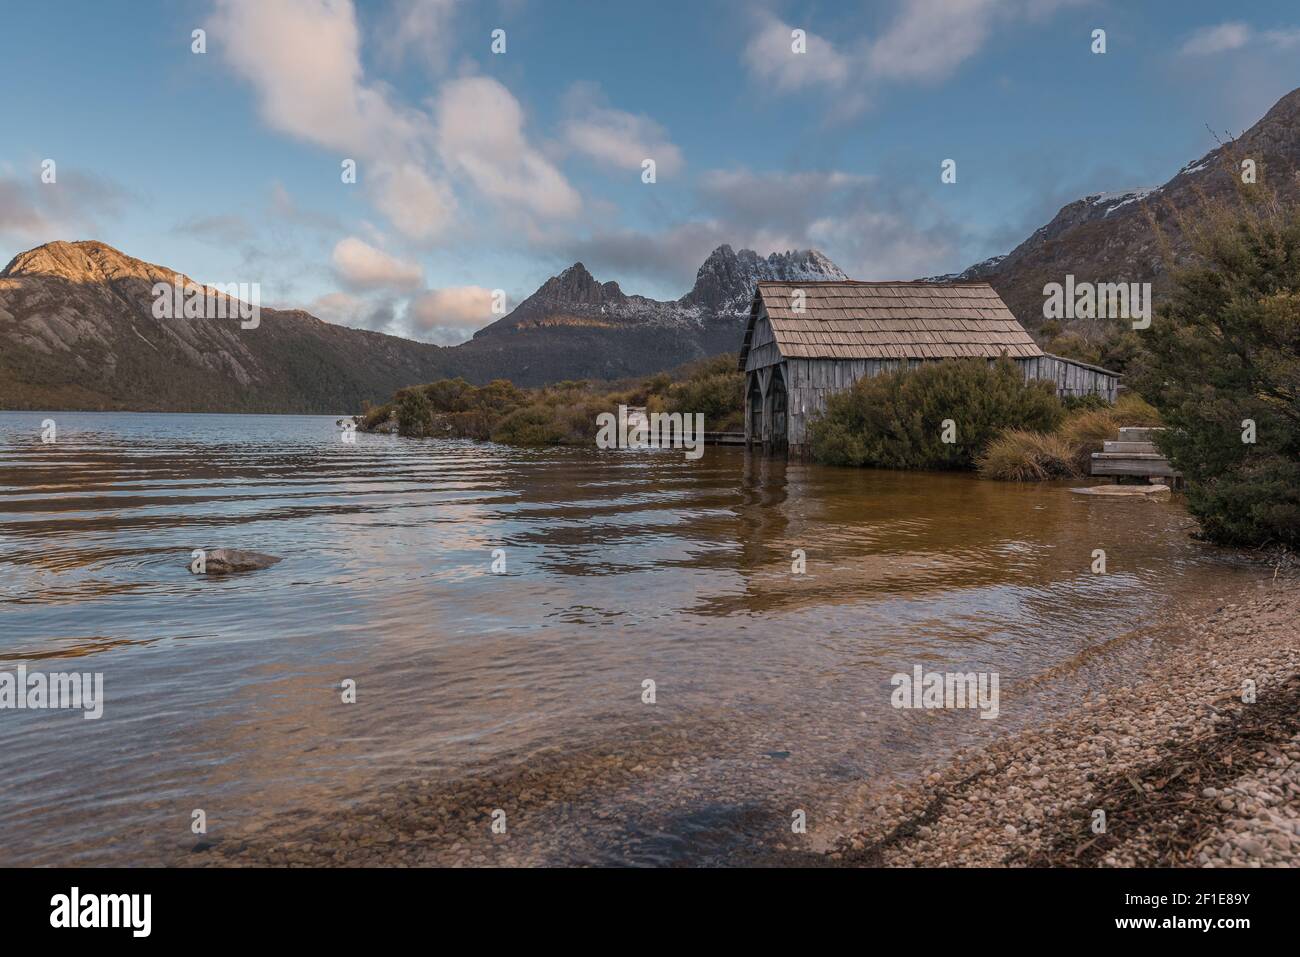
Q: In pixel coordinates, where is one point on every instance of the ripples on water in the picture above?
(222, 693)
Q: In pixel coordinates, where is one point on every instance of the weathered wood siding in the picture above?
(811, 383)
(1072, 379)
(763, 350)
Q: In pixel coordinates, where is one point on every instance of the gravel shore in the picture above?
(1185, 772)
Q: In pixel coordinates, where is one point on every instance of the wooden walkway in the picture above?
(724, 438)
(1135, 455)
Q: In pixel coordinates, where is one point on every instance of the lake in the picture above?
(525, 689)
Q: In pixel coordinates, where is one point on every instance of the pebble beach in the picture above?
(1185, 772)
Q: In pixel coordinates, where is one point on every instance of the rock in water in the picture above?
(1124, 491)
(222, 561)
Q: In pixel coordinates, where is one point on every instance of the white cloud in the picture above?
(72, 207)
(614, 137)
(419, 206)
(925, 41)
(931, 38)
(451, 314)
(1217, 39)
(869, 243)
(420, 30)
(770, 56)
(466, 307)
(480, 133)
(1226, 37)
(345, 309)
(303, 60)
(871, 230)
(362, 266)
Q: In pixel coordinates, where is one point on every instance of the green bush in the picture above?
(1084, 403)
(531, 425)
(414, 413)
(553, 420)
(1132, 409)
(449, 395)
(895, 420)
(1225, 351)
(713, 387)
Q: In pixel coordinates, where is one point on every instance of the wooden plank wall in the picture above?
(1071, 378)
(813, 381)
(763, 350)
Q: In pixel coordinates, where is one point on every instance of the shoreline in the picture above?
(1185, 772)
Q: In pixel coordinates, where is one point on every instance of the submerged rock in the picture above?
(1147, 491)
(222, 561)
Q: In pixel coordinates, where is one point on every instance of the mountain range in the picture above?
(77, 329)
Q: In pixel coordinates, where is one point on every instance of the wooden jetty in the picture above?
(1133, 454)
(724, 438)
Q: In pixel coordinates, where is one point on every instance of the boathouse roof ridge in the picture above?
(849, 319)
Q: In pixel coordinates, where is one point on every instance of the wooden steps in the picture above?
(1135, 447)
(1133, 454)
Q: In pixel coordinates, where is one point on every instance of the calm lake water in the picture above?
(772, 688)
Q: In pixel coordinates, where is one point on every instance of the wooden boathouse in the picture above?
(805, 341)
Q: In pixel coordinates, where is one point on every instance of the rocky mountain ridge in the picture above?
(576, 327)
(1138, 235)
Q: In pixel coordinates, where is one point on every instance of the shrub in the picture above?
(1084, 403)
(834, 442)
(414, 412)
(1225, 350)
(553, 420)
(716, 391)
(1086, 432)
(1018, 455)
(895, 420)
(499, 395)
(377, 415)
(535, 424)
(449, 395)
(1132, 409)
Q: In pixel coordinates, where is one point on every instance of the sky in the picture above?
(481, 169)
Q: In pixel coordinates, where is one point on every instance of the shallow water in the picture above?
(224, 693)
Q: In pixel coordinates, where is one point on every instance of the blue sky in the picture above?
(479, 171)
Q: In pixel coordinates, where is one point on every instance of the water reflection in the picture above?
(222, 693)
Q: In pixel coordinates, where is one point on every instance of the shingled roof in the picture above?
(889, 320)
